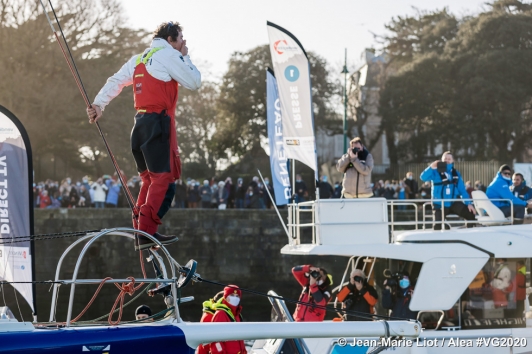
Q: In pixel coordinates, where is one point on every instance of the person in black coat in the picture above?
(180, 194)
(412, 184)
(326, 190)
(358, 296)
(240, 194)
(397, 295)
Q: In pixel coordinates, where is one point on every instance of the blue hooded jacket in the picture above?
(499, 188)
(440, 191)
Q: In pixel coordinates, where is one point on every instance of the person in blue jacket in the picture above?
(447, 183)
(499, 188)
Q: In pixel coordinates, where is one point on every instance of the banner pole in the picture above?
(274, 205)
(293, 196)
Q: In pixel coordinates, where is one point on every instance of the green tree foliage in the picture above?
(195, 120)
(38, 86)
(473, 95)
(241, 120)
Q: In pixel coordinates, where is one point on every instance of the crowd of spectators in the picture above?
(104, 192)
(107, 192)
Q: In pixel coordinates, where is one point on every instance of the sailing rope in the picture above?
(8, 240)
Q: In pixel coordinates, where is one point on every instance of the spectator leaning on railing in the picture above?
(447, 183)
(499, 188)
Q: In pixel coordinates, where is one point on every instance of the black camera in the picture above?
(358, 279)
(355, 150)
(315, 274)
(441, 166)
(392, 280)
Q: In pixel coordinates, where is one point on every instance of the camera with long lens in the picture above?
(392, 280)
(358, 279)
(355, 150)
(315, 274)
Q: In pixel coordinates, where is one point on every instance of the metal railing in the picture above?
(295, 210)
(124, 232)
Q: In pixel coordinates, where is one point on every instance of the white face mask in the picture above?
(233, 300)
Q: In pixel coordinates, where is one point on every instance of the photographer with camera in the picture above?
(358, 296)
(356, 165)
(315, 282)
(397, 295)
(447, 183)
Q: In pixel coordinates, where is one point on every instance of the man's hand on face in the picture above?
(184, 48)
(94, 113)
(434, 164)
(358, 285)
(352, 154)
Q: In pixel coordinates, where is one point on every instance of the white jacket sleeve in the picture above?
(115, 84)
(183, 71)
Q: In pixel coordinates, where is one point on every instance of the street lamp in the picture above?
(345, 72)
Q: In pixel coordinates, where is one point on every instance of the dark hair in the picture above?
(168, 29)
(143, 309)
(520, 175)
(505, 168)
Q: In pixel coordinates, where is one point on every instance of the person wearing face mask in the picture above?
(301, 190)
(447, 183)
(315, 282)
(206, 195)
(267, 186)
(389, 190)
(251, 199)
(356, 165)
(229, 309)
(358, 296)
(397, 295)
(337, 190)
(412, 184)
(499, 188)
(240, 194)
(326, 190)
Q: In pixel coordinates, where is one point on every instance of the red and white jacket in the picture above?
(165, 65)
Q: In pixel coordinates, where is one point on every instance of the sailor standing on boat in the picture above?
(155, 75)
(315, 283)
(447, 183)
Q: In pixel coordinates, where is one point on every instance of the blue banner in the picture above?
(278, 159)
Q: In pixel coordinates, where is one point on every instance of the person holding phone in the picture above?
(447, 186)
(358, 296)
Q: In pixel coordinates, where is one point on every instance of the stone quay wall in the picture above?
(239, 247)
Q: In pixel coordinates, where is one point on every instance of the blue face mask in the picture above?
(404, 283)
(324, 178)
